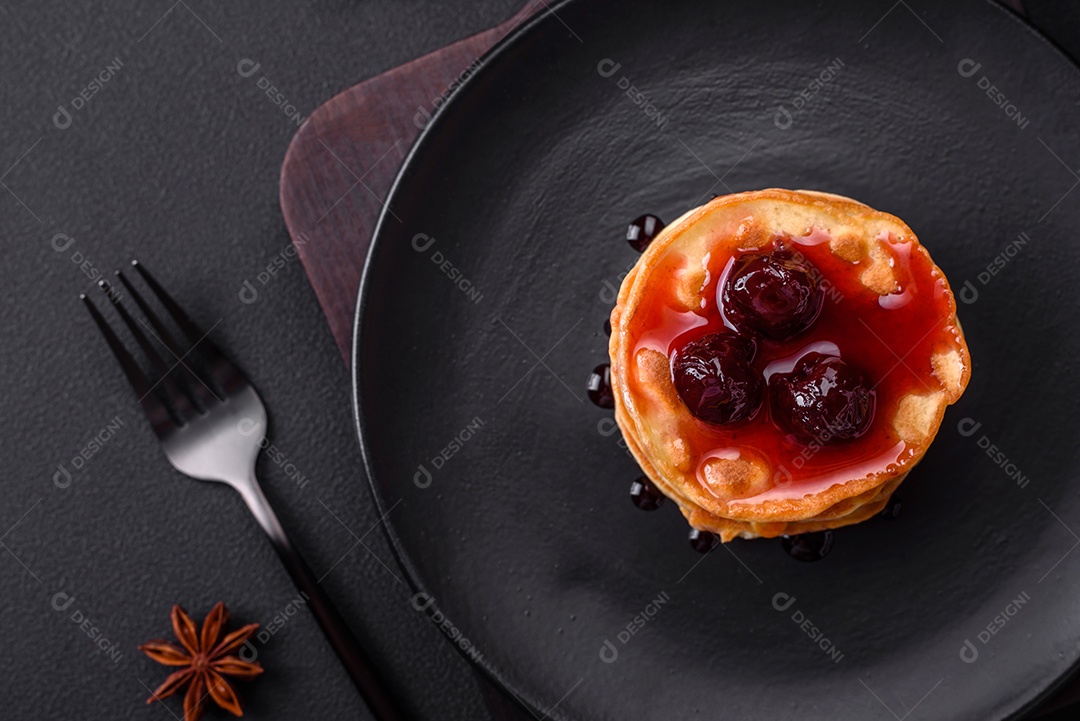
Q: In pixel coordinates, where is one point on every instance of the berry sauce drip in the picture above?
(702, 541)
(892, 509)
(645, 495)
(839, 354)
(642, 230)
(599, 386)
(808, 547)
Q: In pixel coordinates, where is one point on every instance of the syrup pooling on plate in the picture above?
(639, 233)
(880, 336)
(808, 547)
(598, 386)
(892, 510)
(642, 230)
(645, 495)
(702, 541)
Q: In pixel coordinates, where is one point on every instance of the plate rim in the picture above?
(412, 577)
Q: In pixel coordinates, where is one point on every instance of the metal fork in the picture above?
(211, 425)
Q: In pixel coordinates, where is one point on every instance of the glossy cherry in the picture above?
(824, 399)
(775, 294)
(713, 377)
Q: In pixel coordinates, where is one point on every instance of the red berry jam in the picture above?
(829, 361)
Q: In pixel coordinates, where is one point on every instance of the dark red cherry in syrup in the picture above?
(775, 294)
(824, 399)
(713, 377)
(645, 495)
(702, 541)
(599, 386)
(808, 547)
(642, 230)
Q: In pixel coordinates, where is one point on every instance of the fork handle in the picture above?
(337, 631)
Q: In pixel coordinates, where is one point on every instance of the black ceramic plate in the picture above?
(482, 311)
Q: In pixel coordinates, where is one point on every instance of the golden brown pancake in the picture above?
(887, 309)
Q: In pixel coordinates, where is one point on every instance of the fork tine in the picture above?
(185, 406)
(223, 372)
(155, 410)
(195, 384)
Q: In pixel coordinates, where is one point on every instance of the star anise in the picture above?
(206, 661)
